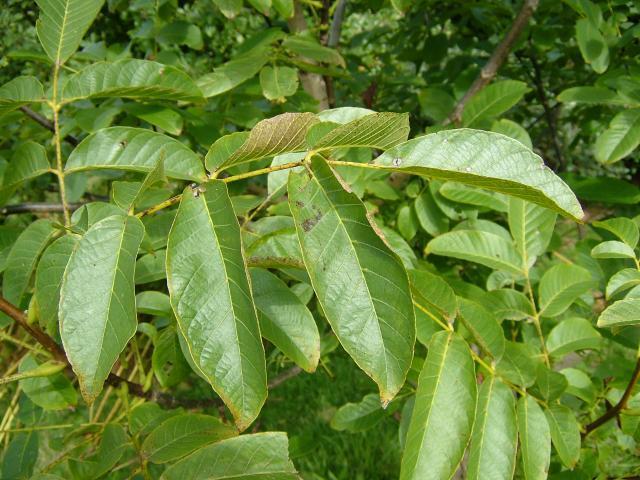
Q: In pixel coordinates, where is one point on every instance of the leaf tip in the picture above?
(385, 398)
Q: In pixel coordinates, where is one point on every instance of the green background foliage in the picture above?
(351, 239)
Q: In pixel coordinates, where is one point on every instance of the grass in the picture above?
(303, 407)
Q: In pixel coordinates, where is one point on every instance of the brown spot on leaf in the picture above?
(309, 223)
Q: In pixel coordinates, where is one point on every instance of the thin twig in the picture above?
(548, 111)
(333, 38)
(55, 106)
(41, 337)
(114, 380)
(261, 171)
(37, 207)
(56, 350)
(48, 124)
(618, 407)
(336, 24)
(284, 376)
(161, 206)
(497, 58)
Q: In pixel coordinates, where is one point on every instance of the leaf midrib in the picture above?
(364, 280)
(433, 397)
(113, 281)
(481, 111)
(63, 27)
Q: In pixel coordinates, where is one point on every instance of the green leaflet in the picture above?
(8, 237)
(180, 32)
(233, 73)
(400, 247)
(281, 134)
(487, 160)
(20, 91)
(431, 218)
(130, 78)
(22, 259)
(607, 190)
(518, 364)
(613, 249)
(112, 447)
(285, 320)
(229, 8)
(343, 115)
(580, 385)
(482, 225)
(621, 138)
(506, 303)
(289, 133)
(28, 161)
(461, 193)
(436, 103)
(353, 272)
(154, 303)
(278, 82)
(129, 192)
(560, 286)
(182, 434)
(550, 385)
(565, 433)
(622, 280)
(259, 456)
(144, 418)
(49, 275)
(535, 439)
(478, 246)
(621, 313)
(135, 149)
(151, 267)
(443, 415)
(572, 334)
(223, 148)
(262, 6)
(211, 297)
(492, 101)
(277, 180)
(592, 44)
(492, 451)
(284, 7)
(358, 417)
(623, 228)
(531, 227)
(165, 118)
(63, 23)
(52, 392)
(307, 47)
(97, 300)
(433, 294)
(170, 366)
(378, 130)
(483, 326)
(590, 95)
(407, 222)
(513, 130)
(21, 456)
(93, 212)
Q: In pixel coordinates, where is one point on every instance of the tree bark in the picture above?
(313, 83)
(497, 59)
